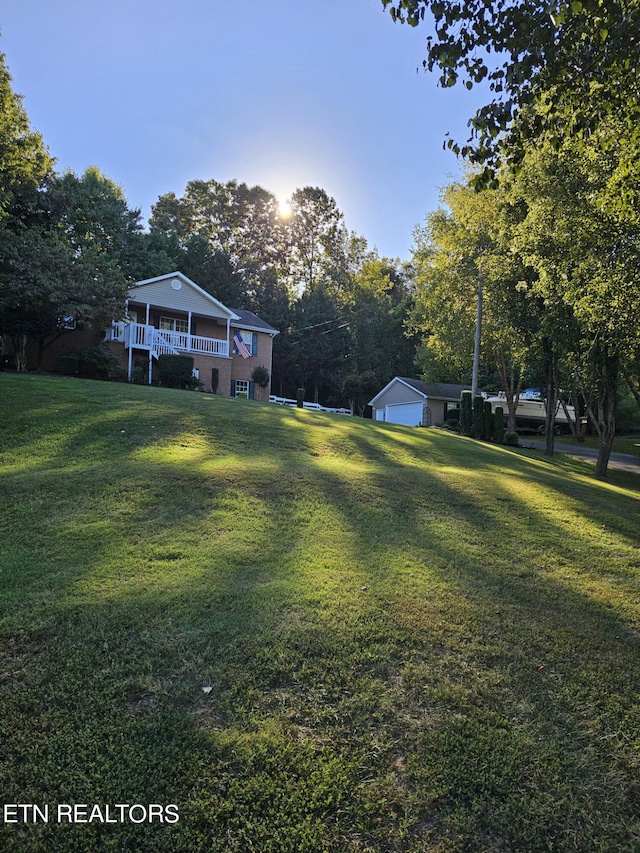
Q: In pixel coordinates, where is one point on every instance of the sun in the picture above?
(284, 209)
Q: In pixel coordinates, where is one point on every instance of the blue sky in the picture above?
(280, 93)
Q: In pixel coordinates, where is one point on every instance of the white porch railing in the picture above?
(163, 341)
(286, 401)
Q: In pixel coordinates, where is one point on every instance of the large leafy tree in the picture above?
(588, 259)
(377, 305)
(317, 239)
(463, 252)
(231, 237)
(25, 163)
(320, 343)
(574, 60)
(25, 247)
(70, 262)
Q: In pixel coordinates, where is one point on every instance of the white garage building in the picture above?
(413, 403)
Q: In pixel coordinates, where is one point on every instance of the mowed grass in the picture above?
(309, 632)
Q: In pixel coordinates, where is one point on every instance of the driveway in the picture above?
(623, 461)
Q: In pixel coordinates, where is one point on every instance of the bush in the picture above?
(511, 438)
(300, 398)
(478, 417)
(215, 378)
(453, 414)
(69, 364)
(100, 362)
(97, 362)
(487, 421)
(140, 372)
(453, 424)
(466, 412)
(176, 371)
(260, 375)
(498, 424)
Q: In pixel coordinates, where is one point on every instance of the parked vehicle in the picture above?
(531, 413)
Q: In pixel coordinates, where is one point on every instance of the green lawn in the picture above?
(308, 632)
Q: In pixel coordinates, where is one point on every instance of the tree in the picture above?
(236, 222)
(67, 263)
(377, 305)
(462, 246)
(316, 235)
(575, 61)
(25, 163)
(588, 261)
(320, 343)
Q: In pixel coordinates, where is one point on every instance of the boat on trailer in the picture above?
(531, 413)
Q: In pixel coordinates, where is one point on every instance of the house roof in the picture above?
(438, 390)
(251, 321)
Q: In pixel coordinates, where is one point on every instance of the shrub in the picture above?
(100, 362)
(300, 398)
(69, 364)
(511, 438)
(176, 371)
(97, 362)
(487, 421)
(140, 372)
(453, 414)
(498, 424)
(453, 424)
(466, 415)
(478, 417)
(260, 375)
(215, 378)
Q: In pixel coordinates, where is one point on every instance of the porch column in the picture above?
(189, 331)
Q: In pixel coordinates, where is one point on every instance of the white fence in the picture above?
(285, 401)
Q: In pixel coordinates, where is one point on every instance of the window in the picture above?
(242, 388)
(250, 339)
(171, 324)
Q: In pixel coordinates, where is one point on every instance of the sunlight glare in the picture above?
(284, 209)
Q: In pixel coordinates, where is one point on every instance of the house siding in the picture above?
(160, 293)
(242, 368)
(398, 393)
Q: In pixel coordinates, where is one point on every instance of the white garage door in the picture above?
(409, 414)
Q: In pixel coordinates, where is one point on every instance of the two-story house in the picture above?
(172, 314)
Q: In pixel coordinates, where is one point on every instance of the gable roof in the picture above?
(438, 390)
(171, 284)
(251, 321)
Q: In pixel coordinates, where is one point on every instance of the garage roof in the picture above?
(437, 391)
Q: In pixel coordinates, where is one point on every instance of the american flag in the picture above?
(242, 348)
